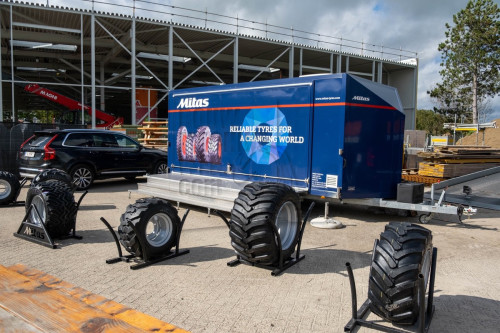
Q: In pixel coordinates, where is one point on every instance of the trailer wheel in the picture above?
(215, 149)
(156, 220)
(53, 175)
(182, 135)
(202, 139)
(403, 252)
(9, 187)
(425, 218)
(56, 206)
(257, 205)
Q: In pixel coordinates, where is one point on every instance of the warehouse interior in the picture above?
(87, 54)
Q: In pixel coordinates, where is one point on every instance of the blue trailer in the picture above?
(257, 149)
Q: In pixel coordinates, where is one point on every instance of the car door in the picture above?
(131, 157)
(107, 152)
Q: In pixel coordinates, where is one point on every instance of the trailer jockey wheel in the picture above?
(403, 252)
(156, 221)
(252, 237)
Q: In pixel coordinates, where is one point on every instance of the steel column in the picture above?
(1, 82)
(291, 61)
(132, 62)
(101, 74)
(12, 67)
(92, 64)
(81, 69)
(235, 59)
(170, 57)
(379, 75)
(300, 61)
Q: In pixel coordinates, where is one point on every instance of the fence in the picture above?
(12, 136)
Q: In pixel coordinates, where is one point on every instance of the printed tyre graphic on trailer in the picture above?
(56, 207)
(202, 139)
(257, 205)
(156, 220)
(203, 147)
(403, 252)
(182, 135)
(215, 149)
(9, 187)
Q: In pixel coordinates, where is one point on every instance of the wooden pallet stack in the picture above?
(155, 134)
(453, 161)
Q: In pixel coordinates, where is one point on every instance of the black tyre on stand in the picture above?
(257, 205)
(82, 176)
(56, 207)
(403, 252)
(215, 149)
(202, 139)
(53, 175)
(156, 220)
(9, 187)
(182, 135)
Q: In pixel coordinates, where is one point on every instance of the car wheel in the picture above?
(83, 176)
(161, 167)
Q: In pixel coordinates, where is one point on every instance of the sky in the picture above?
(418, 26)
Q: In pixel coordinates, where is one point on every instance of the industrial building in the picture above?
(110, 57)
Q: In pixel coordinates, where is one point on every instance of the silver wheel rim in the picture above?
(162, 168)
(5, 189)
(39, 204)
(83, 177)
(286, 222)
(159, 229)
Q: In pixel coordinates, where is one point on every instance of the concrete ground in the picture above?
(200, 293)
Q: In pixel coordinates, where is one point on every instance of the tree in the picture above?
(470, 57)
(430, 122)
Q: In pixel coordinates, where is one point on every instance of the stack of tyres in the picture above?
(202, 147)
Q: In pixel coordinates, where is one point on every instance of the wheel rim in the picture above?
(286, 222)
(5, 189)
(39, 204)
(162, 168)
(159, 229)
(83, 177)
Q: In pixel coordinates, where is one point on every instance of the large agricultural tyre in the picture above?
(403, 252)
(202, 139)
(215, 149)
(156, 220)
(182, 135)
(258, 205)
(53, 175)
(9, 187)
(56, 206)
(82, 176)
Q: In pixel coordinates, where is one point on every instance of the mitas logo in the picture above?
(361, 98)
(192, 102)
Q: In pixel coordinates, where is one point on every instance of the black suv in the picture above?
(89, 154)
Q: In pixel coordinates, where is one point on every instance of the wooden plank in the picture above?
(53, 305)
(153, 128)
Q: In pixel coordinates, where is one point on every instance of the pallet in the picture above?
(155, 134)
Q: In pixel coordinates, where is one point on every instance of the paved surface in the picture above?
(198, 292)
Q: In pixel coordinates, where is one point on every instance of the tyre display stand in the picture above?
(146, 259)
(283, 263)
(38, 233)
(17, 203)
(426, 311)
